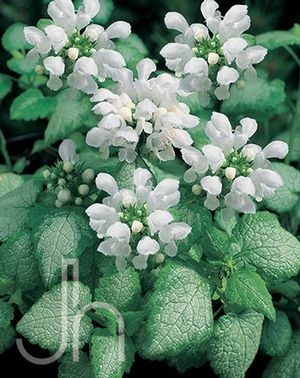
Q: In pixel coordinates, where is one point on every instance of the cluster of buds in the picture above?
(68, 179)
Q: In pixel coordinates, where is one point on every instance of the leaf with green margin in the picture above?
(31, 105)
(277, 38)
(276, 335)
(72, 112)
(287, 366)
(234, 343)
(287, 196)
(22, 66)
(6, 314)
(7, 338)
(247, 290)
(14, 207)
(63, 234)
(120, 289)
(14, 39)
(261, 98)
(124, 177)
(266, 245)
(9, 181)
(18, 261)
(57, 311)
(198, 217)
(5, 85)
(110, 354)
(133, 50)
(180, 313)
(68, 368)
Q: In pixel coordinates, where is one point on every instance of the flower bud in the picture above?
(240, 84)
(46, 173)
(58, 203)
(137, 226)
(83, 189)
(64, 195)
(249, 154)
(68, 166)
(92, 34)
(230, 173)
(78, 201)
(199, 35)
(128, 200)
(61, 182)
(88, 175)
(196, 189)
(213, 58)
(39, 69)
(73, 53)
(159, 258)
(125, 113)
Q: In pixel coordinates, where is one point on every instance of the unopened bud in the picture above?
(83, 189)
(39, 69)
(73, 53)
(46, 173)
(213, 58)
(199, 34)
(58, 203)
(64, 195)
(230, 173)
(78, 201)
(240, 84)
(137, 226)
(61, 182)
(159, 258)
(68, 166)
(249, 154)
(88, 175)
(92, 34)
(196, 189)
(128, 200)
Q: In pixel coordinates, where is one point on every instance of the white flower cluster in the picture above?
(233, 172)
(210, 58)
(142, 109)
(71, 49)
(135, 224)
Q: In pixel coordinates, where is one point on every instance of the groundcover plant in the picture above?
(156, 216)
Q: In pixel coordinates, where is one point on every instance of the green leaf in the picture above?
(133, 50)
(276, 335)
(9, 181)
(277, 38)
(5, 85)
(6, 314)
(246, 289)
(63, 234)
(22, 66)
(14, 207)
(180, 316)
(162, 169)
(287, 366)
(31, 105)
(69, 368)
(285, 197)
(234, 343)
(92, 159)
(266, 245)
(111, 356)
(290, 289)
(7, 338)
(18, 261)
(124, 176)
(73, 111)
(216, 243)
(120, 289)
(56, 315)
(188, 360)
(261, 98)
(14, 39)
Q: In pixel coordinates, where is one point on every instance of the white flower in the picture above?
(197, 161)
(213, 186)
(56, 67)
(67, 151)
(266, 182)
(220, 43)
(238, 198)
(136, 219)
(82, 77)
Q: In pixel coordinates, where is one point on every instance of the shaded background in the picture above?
(146, 18)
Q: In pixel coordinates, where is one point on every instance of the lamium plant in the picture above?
(157, 217)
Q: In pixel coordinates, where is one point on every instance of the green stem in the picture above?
(294, 127)
(4, 151)
(293, 55)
